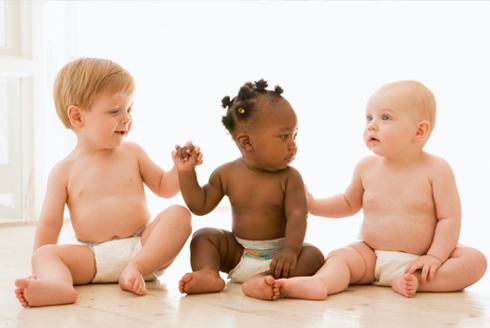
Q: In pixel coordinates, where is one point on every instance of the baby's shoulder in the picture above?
(61, 171)
(368, 162)
(435, 164)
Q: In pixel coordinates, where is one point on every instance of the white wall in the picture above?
(328, 56)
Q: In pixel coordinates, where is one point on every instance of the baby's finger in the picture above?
(423, 274)
(272, 267)
(278, 270)
(286, 270)
(432, 274)
(411, 268)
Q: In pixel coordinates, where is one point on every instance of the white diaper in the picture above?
(256, 258)
(112, 257)
(390, 265)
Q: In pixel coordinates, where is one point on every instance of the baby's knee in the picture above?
(43, 252)
(478, 262)
(313, 255)
(205, 235)
(182, 216)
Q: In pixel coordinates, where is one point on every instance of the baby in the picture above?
(412, 211)
(102, 183)
(267, 196)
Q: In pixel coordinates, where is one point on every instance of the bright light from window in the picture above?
(4, 154)
(2, 23)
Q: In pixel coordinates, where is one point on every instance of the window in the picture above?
(18, 77)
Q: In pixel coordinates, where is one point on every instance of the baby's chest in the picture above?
(104, 180)
(263, 193)
(412, 193)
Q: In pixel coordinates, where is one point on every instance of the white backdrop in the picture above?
(328, 56)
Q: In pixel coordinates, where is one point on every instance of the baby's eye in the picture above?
(295, 136)
(385, 118)
(369, 119)
(114, 111)
(285, 136)
(130, 110)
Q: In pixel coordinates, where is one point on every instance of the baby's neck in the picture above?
(408, 160)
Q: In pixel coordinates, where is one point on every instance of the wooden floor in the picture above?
(108, 306)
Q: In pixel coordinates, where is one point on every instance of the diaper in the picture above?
(390, 265)
(112, 257)
(256, 258)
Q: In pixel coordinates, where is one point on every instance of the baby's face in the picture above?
(275, 139)
(391, 122)
(109, 120)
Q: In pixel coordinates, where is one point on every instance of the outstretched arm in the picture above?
(200, 200)
(341, 205)
(162, 183)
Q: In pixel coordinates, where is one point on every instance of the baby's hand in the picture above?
(311, 199)
(283, 263)
(186, 158)
(428, 265)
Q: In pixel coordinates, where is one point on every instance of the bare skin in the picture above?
(268, 201)
(410, 203)
(102, 183)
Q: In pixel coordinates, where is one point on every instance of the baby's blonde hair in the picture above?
(80, 81)
(424, 100)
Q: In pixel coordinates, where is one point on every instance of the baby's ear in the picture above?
(422, 132)
(243, 141)
(75, 116)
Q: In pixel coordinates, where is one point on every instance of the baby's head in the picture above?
(399, 116)
(247, 109)
(263, 125)
(414, 97)
(82, 80)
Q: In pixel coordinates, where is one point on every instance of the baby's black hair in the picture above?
(243, 107)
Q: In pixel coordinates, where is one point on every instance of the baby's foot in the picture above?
(202, 281)
(406, 285)
(260, 286)
(39, 292)
(307, 288)
(132, 280)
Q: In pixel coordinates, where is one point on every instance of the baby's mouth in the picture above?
(121, 133)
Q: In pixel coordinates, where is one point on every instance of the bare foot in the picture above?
(406, 285)
(132, 280)
(260, 286)
(307, 288)
(40, 292)
(202, 281)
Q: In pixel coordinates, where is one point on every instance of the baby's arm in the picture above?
(448, 212)
(296, 211)
(341, 205)
(162, 183)
(51, 218)
(199, 200)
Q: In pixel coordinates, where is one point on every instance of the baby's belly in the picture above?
(396, 235)
(103, 221)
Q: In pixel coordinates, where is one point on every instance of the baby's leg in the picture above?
(212, 251)
(162, 241)
(353, 264)
(464, 267)
(56, 268)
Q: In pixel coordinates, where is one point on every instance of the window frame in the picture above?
(23, 58)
